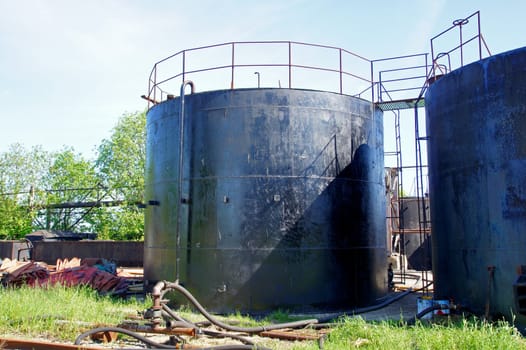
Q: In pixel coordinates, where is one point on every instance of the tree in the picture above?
(66, 191)
(120, 165)
(21, 173)
(15, 220)
(69, 180)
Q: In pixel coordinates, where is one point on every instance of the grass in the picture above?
(61, 313)
(58, 312)
(461, 334)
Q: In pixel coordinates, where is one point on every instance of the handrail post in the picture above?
(428, 72)
(155, 83)
(480, 37)
(184, 67)
(372, 82)
(290, 65)
(232, 77)
(461, 46)
(341, 73)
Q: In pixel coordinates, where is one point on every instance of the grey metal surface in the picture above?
(476, 122)
(416, 238)
(283, 199)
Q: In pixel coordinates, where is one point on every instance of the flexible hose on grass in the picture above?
(169, 312)
(368, 308)
(250, 330)
(122, 331)
(186, 323)
(428, 310)
(423, 313)
(162, 346)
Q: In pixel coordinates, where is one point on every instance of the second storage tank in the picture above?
(476, 122)
(267, 198)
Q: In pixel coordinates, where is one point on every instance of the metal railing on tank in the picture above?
(446, 61)
(253, 64)
(399, 79)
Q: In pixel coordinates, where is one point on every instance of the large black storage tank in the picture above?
(281, 202)
(476, 122)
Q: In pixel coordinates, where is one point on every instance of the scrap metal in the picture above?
(68, 273)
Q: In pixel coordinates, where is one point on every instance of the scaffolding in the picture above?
(423, 75)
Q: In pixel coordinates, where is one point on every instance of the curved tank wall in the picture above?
(476, 122)
(282, 201)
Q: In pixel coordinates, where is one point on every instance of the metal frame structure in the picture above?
(157, 93)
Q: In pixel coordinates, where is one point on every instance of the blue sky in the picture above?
(69, 69)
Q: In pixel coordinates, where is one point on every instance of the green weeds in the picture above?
(63, 313)
(59, 312)
(462, 334)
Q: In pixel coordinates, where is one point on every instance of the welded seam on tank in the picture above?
(279, 177)
(266, 106)
(381, 247)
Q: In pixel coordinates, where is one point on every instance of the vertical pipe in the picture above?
(180, 180)
(259, 84)
(421, 204)
(418, 170)
(290, 65)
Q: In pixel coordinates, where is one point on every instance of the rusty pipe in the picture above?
(159, 330)
(157, 304)
(156, 294)
(149, 99)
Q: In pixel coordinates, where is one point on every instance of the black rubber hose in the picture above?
(178, 318)
(123, 331)
(250, 330)
(423, 313)
(367, 309)
(428, 310)
(175, 316)
(162, 346)
(210, 333)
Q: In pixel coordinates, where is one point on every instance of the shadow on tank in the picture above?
(336, 244)
(267, 198)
